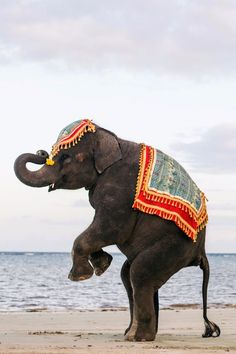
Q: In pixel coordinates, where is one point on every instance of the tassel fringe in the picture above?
(186, 217)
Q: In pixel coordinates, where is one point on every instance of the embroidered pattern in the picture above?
(165, 189)
(71, 135)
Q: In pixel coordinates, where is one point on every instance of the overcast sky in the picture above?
(159, 72)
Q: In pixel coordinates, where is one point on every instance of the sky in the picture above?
(158, 72)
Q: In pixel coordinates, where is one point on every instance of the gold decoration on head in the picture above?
(70, 136)
(50, 162)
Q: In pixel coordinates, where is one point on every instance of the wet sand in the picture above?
(101, 331)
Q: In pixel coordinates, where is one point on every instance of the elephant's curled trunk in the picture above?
(39, 178)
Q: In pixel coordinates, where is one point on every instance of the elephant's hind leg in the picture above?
(211, 329)
(144, 324)
(125, 277)
(156, 306)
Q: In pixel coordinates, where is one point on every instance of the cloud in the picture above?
(214, 152)
(165, 37)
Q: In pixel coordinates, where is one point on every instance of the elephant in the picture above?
(91, 157)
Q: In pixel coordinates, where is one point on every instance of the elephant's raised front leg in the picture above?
(88, 246)
(81, 268)
(100, 261)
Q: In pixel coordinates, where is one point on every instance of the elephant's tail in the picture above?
(211, 329)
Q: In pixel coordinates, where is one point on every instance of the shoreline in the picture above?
(180, 306)
(101, 331)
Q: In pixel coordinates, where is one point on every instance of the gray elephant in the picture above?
(145, 203)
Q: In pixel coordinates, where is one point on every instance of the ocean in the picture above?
(38, 281)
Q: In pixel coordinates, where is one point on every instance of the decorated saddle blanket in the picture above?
(165, 189)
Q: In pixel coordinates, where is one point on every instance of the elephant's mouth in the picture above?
(52, 187)
(58, 184)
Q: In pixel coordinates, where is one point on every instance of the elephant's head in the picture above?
(81, 153)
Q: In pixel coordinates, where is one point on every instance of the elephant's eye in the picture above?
(64, 157)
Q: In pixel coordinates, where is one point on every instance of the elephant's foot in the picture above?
(82, 272)
(211, 330)
(138, 334)
(100, 262)
(141, 336)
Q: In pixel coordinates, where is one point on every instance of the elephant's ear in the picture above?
(107, 150)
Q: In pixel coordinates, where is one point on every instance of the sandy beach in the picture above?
(101, 331)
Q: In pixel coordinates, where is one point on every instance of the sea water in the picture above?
(38, 281)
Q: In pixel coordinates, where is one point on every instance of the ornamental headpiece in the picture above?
(70, 136)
